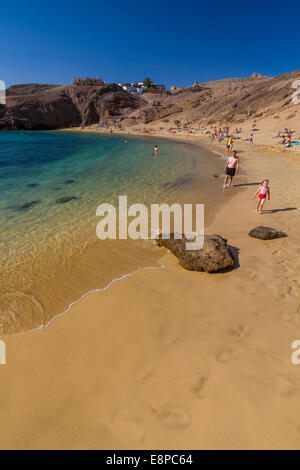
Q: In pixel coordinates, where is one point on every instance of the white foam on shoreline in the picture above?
(219, 153)
(102, 289)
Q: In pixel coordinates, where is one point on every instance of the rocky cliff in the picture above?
(35, 106)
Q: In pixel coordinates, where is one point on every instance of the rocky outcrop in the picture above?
(213, 257)
(35, 106)
(52, 106)
(266, 233)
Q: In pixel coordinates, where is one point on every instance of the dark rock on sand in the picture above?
(28, 205)
(64, 199)
(216, 176)
(69, 181)
(266, 233)
(213, 257)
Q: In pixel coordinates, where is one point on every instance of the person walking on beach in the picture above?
(229, 144)
(155, 151)
(231, 168)
(262, 193)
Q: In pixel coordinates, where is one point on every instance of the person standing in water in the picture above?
(155, 151)
(231, 168)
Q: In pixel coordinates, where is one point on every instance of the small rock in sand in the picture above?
(266, 233)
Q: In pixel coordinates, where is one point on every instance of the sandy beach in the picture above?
(126, 131)
(265, 134)
(170, 359)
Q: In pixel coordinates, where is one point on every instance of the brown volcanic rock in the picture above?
(230, 100)
(213, 257)
(103, 104)
(28, 89)
(36, 106)
(266, 233)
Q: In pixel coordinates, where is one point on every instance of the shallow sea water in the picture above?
(51, 184)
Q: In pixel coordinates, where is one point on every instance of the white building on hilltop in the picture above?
(134, 88)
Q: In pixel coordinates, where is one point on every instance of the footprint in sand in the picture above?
(204, 387)
(239, 331)
(285, 296)
(128, 430)
(172, 417)
(296, 287)
(292, 291)
(288, 272)
(227, 355)
(255, 277)
(291, 317)
(286, 385)
(281, 297)
(146, 371)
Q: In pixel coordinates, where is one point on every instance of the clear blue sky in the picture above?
(172, 42)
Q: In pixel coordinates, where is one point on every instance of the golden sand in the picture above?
(170, 359)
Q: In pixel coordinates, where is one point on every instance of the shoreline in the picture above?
(201, 139)
(219, 210)
(203, 360)
(95, 285)
(86, 294)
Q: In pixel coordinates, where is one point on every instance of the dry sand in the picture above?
(170, 359)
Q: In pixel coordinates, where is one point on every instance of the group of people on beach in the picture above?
(223, 133)
(286, 138)
(232, 164)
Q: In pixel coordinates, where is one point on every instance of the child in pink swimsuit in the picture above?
(263, 191)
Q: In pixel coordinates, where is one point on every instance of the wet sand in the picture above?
(173, 359)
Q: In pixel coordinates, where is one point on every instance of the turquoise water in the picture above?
(51, 184)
